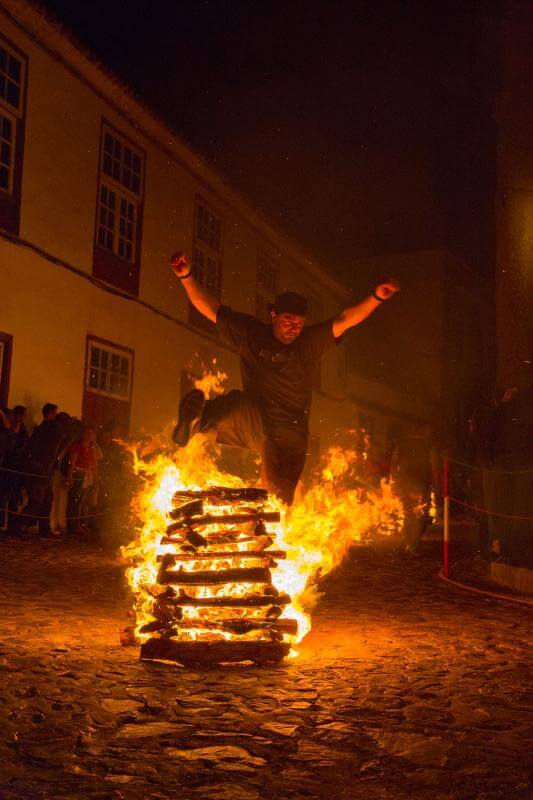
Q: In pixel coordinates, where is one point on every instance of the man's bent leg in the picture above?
(237, 420)
(282, 461)
(191, 407)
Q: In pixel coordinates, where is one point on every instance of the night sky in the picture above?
(358, 127)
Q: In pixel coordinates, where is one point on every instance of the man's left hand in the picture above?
(385, 289)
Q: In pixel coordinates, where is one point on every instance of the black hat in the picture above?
(290, 303)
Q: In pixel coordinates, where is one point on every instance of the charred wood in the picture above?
(224, 519)
(206, 653)
(224, 494)
(249, 601)
(167, 559)
(191, 509)
(216, 539)
(238, 626)
(213, 577)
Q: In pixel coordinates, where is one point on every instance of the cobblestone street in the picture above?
(405, 688)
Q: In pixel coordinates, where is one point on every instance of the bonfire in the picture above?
(196, 521)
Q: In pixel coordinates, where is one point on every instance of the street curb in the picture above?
(507, 598)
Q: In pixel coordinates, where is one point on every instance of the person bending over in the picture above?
(278, 362)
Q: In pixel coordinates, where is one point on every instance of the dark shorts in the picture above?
(239, 422)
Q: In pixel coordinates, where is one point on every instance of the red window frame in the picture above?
(5, 367)
(108, 265)
(10, 200)
(205, 248)
(119, 408)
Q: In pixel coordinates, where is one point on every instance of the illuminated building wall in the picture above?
(514, 202)
(96, 196)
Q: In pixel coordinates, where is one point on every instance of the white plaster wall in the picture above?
(49, 310)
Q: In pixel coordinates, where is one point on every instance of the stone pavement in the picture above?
(405, 688)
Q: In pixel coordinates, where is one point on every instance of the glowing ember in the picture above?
(335, 512)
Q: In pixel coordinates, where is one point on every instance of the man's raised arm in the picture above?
(353, 315)
(201, 298)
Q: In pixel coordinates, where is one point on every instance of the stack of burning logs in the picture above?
(215, 601)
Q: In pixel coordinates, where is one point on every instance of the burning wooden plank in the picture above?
(222, 537)
(224, 519)
(213, 577)
(191, 509)
(168, 559)
(218, 652)
(252, 600)
(222, 495)
(240, 626)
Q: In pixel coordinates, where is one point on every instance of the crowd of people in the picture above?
(62, 478)
(499, 475)
(490, 476)
(65, 478)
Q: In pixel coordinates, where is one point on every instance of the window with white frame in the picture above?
(267, 275)
(207, 248)
(109, 370)
(7, 148)
(12, 73)
(119, 196)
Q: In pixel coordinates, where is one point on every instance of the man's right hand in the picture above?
(180, 265)
(201, 298)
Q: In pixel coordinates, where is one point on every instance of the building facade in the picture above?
(433, 351)
(95, 195)
(514, 199)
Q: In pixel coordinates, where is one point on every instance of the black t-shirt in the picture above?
(278, 376)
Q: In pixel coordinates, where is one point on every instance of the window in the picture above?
(122, 163)
(208, 227)
(12, 112)
(6, 344)
(119, 212)
(7, 130)
(267, 275)
(109, 371)
(10, 79)
(206, 270)
(206, 257)
(207, 250)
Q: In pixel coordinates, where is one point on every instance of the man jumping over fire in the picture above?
(278, 361)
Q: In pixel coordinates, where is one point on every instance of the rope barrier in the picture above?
(41, 475)
(486, 511)
(85, 516)
(486, 469)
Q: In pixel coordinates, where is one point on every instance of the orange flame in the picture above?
(335, 512)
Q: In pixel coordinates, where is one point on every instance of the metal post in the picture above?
(446, 492)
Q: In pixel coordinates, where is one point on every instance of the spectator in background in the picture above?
(5, 427)
(115, 484)
(19, 437)
(411, 469)
(91, 500)
(81, 475)
(478, 478)
(49, 412)
(40, 462)
(69, 434)
(11, 481)
(511, 452)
